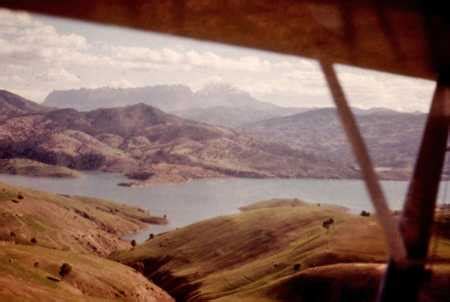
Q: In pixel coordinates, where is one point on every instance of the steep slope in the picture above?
(31, 273)
(143, 140)
(12, 105)
(39, 232)
(64, 222)
(392, 137)
(277, 250)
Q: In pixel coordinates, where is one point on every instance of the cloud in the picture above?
(22, 39)
(37, 58)
(368, 88)
(58, 74)
(144, 57)
(122, 83)
(209, 59)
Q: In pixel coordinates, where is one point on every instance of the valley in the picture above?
(194, 151)
(272, 250)
(277, 249)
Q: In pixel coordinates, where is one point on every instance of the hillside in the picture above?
(236, 116)
(150, 145)
(63, 222)
(39, 232)
(12, 105)
(20, 166)
(31, 273)
(216, 104)
(393, 137)
(277, 250)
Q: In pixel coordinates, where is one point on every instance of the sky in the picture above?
(39, 54)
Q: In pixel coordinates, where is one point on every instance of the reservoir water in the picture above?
(193, 201)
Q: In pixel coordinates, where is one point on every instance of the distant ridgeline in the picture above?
(261, 139)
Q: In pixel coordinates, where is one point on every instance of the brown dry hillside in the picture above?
(39, 232)
(31, 273)
(140, 139)
(22, 166)
(65, 222)
(13, 105)
(270, 252)
(392, 137)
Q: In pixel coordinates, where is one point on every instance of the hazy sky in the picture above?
(39, 54)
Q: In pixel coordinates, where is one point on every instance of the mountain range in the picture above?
(216, 104)
(147, 143)
(392, 137)
(227, 132)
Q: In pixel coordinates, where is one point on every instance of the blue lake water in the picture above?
(193, 201)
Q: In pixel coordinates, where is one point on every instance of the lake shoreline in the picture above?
(193, 201)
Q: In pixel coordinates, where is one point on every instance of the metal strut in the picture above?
(403, 283)
(407, 244)
(390, 228)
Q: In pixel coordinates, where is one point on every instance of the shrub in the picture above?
(19, 196)
(33, 240)
(327, 223)
(65, 269)
(133, 243)
(365, 213)
(297, 267)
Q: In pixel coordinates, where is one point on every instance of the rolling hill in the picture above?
(277, 250)
(40, 232)
(63, 222)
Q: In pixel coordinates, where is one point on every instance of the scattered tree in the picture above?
(365, 213)
(133, 243)
(327, 223)
(297, 267)
(65, 269)
(33, 240)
